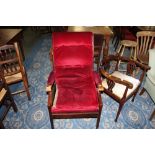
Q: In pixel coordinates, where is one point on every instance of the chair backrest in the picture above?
(152, 62)
(1, 80)
(144, 42)
(10, 59)
(72, 49)
(72, 56)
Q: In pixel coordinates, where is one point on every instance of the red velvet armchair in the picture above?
(73, 87)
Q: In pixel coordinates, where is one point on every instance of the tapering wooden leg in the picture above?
(135, 95)
(99, 116)
(27, 88)
(10, 98)
(1, 126)
(119, 110)
(14, 107)
(142, 91)
(133, 98)
(153, 113)
(51, 120)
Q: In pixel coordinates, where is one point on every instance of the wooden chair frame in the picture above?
(12, 64)
(112, 80)
(6, 100)
(51, 90)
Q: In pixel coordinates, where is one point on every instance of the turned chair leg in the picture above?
(14, 107)
(152, 115)
(27, 88)
(134, 97)
(1, 126)
(51, 120)
(98, 118)
(119, 110)
(142, 91)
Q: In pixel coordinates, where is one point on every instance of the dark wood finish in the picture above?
(98, 47)
(49, 29)
(152, 115)
(131, 67)
(9, 36)
(12, 64)
(6, 100)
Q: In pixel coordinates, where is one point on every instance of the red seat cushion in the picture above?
(76, 92)
(128, 35)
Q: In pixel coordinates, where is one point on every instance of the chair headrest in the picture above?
(71, 39)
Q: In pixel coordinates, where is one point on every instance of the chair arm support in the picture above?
(98, 81)
(116, 79)
(50, 99)
(51, 55)
(50, 91)
(49, 88)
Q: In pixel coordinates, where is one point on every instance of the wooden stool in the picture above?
(132, 45)
(128, 44)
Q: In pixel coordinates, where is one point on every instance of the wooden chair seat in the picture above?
(129, 43)
(13, 78)
(2, 93)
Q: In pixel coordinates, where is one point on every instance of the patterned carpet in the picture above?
(34, 114)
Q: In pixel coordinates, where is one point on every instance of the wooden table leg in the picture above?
(106, 46)
(22, 49)
(106, 49)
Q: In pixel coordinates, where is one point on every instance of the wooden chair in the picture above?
(121, 86)
(98, 48)
(145, 40)
(128, 44)
(72, 85)
(14, 70)
(6, 99)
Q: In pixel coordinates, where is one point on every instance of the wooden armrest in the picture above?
(48, 88)
(116, 79)
(51, 55)
(100, 87)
